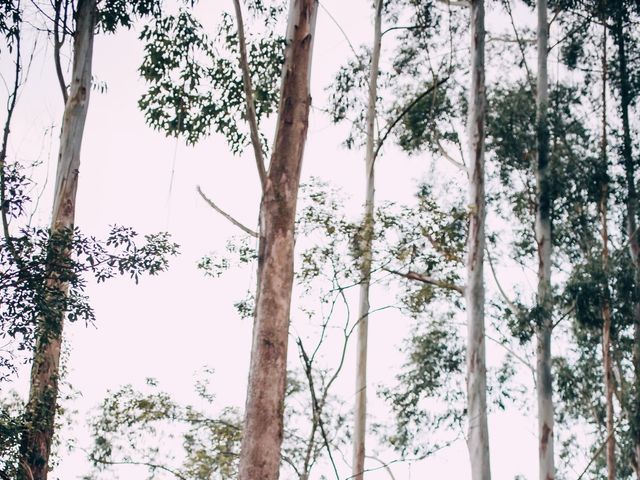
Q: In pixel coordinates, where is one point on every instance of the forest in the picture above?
(368, 239)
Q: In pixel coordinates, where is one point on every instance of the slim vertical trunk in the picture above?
(606, 346)
(41, 409)
(478, 439)
(606, 304)
(543, 239)
(360, 410)
(262, 438)
(632, 224)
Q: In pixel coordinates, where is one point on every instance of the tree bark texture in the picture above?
(631, 220)
(478, 434)
(360, 409)
(606, 304)
(544, 381)
(263, 422)
(36, 440)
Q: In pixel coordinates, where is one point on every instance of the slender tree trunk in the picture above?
(263, 422)
(606, 304)
(632, 224)
(36, 440)
(478, 439)
(360, 410)
(543, 239)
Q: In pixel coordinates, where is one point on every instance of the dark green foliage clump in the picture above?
(195, 82)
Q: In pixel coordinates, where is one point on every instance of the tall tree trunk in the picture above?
(543, 238)
(632, 224)
(360, 410)
(478, 439)
(36, 440)
(606, 304)
(263, 422)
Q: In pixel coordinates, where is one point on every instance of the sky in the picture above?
(171, 326)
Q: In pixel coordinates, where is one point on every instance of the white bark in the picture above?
(543, 239)
(263, 422)
(478, 432)
(360, 410)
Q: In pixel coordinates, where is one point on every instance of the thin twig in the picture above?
(245, 229)
(145, 464)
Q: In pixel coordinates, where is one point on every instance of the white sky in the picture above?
(170, 326)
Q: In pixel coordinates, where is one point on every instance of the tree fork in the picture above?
(263, 422)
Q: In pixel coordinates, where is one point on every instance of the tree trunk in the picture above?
(36, 440)
(262, 437)
(360, 410)
(631, 221)
(606, 304)
(478, 439)
(544, 380)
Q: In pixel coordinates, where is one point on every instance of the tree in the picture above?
(543, 239)
(366, 252)
(478, 440)
(260, 451)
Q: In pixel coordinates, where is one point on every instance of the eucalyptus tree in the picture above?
(196, 112)
(360, 411)
(41, 407)
(543, 228)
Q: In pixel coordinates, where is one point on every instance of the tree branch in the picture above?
(249, 98)
(511, 305)
(247, 230)
(144, 464)
(57, 44)
(429, 280)
(391, 125)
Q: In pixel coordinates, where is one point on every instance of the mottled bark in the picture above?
(631, 220)
(36, 441)
(478, 434)
(263, 422)
(544, 381)
(360, 409)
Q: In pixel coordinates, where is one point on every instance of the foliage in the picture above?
(35, 262)
(195, 83)
(435, 361)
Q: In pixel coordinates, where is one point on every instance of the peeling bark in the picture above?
(41, 408)
(478, 433)
(360, 410)
(263, 423)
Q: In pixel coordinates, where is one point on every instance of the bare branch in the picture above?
(57, 44)
(449, 158)
(247, 230)
(13, 98)
(176, 474)
(249, 99)
(429, 280)
(514, 308)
